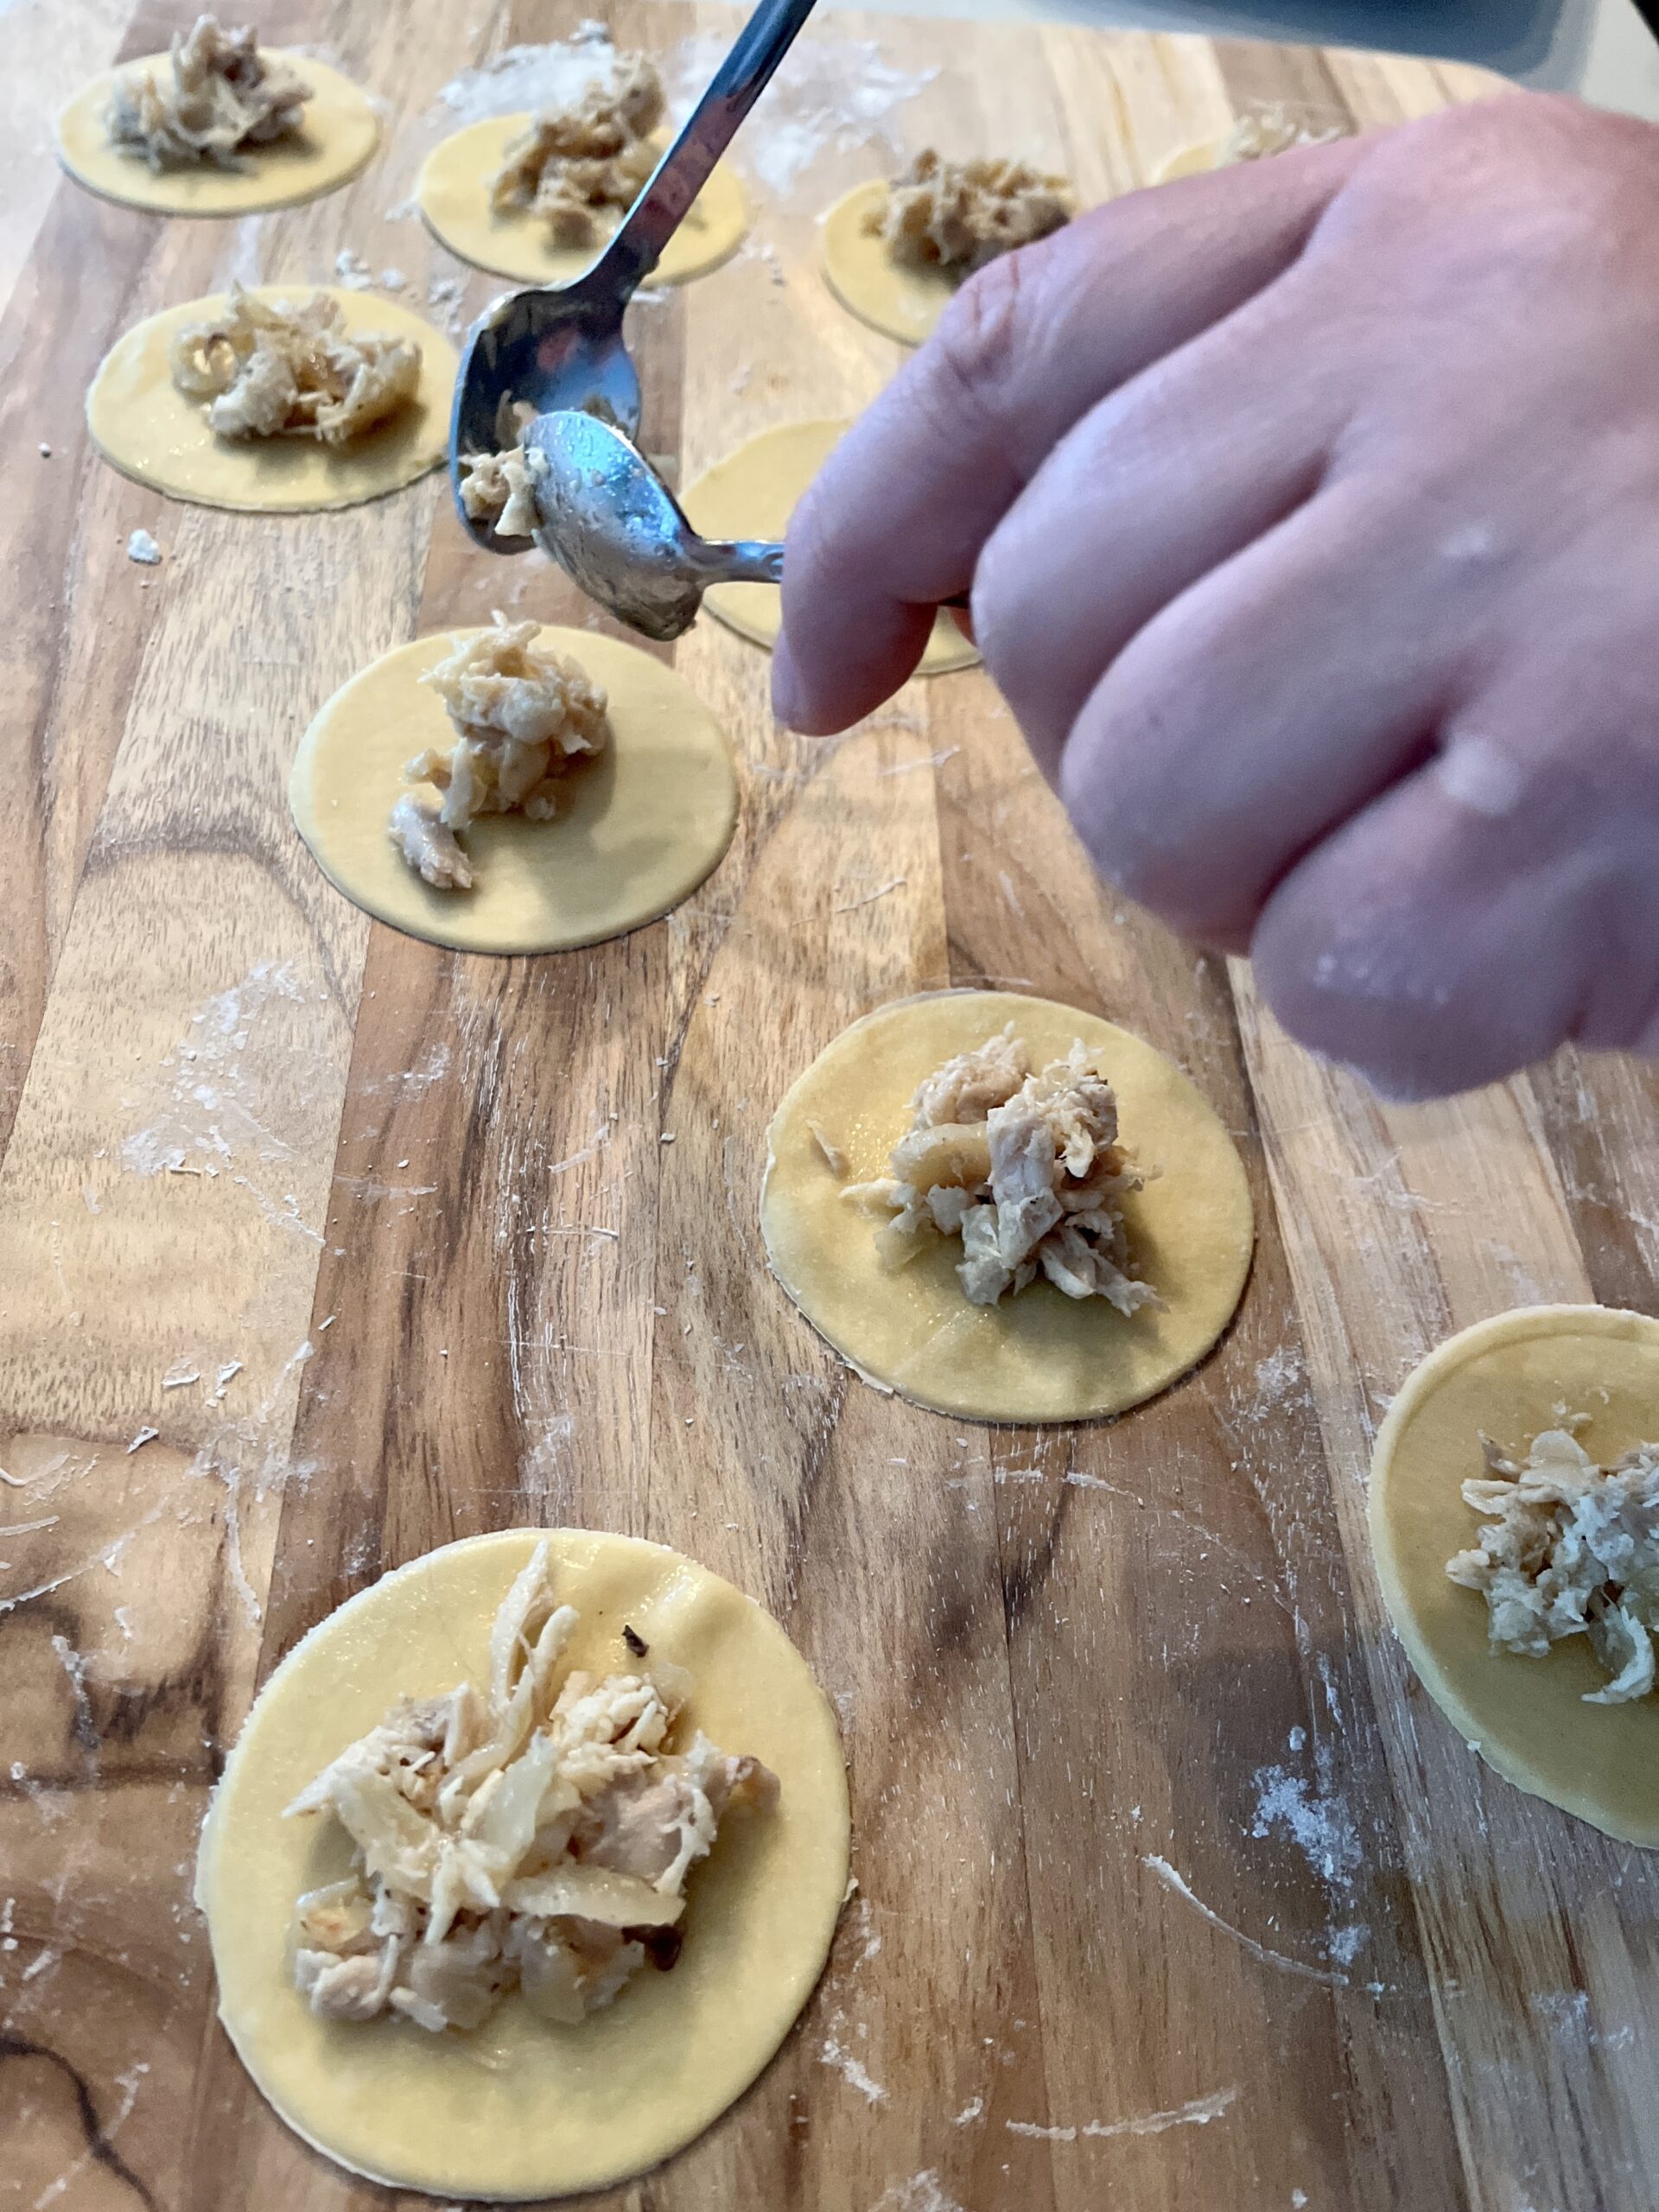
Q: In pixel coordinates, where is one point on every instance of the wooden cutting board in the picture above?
(1174, 1890)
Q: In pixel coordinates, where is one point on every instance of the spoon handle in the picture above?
(761, 44)
(747, 561)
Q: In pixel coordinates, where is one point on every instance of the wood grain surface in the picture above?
(1175, 1892)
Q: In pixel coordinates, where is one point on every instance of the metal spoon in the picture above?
(548, 350)
(613, 524)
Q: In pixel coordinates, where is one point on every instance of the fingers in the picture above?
(1496, 902)
(1157, 485)
(897, 518)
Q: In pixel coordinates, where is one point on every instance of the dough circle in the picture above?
(752, 493)
(900, 301)
(1525, 1717)
(1039, 1356)
(524, 2108)
(339, 134)
(1190, 161)
(453, 193)
(147, 430)
(644, 825)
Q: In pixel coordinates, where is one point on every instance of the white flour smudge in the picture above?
(832, 96)
(834, 2052)
(1174, 1882)
(922, 2192)
(973, 2110)
(1314, 1817)
(1198, 2113)
(532, 76)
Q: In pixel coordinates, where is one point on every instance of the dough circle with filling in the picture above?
(148, 429)
(1510, 1377)
(1036, 1355)
(338, 133)
(752, 493)
(523, 2107)
(643, 824)
(892, 296)
(453, 192)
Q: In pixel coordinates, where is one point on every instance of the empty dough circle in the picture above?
(523, 2107)
(642, 825)
(148, 429)
(1525, 1717)
(1038, 1355)
(337, 136)
(452, 191)
(752, 493)
(894, 298)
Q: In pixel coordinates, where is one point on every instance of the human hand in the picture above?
(1311, 510)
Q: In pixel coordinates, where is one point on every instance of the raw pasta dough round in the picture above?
(1037, 1355)
(894, 298)
(337, 136)
(454, 194)
(1526, 1717)
(752, 493)
(524, 2108)
(1190, 161)
(643, 824)
(143, 423)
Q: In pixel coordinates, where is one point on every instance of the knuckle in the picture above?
(980, 341)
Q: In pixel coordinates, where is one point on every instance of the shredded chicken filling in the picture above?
(1270, 130)
(1023, 1166)
(958, 215)
(570, 164)
(523, 719)
(285, 369)
(221, 96)
(500, 488)
(536, 1834)
(1569, 1549)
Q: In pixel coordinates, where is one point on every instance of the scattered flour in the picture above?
(834, 2052)
(922, 2192)
(1198, 2111)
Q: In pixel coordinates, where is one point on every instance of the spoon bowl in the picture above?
(614, 527)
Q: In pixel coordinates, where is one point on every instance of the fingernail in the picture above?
(786, 700)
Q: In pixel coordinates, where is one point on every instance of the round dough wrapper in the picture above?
(1041, 1356)
(752, 493)
(1190, 161)
(899, 302)
(339, 134)
(452, 191)
(524, 2108)
(644, 823)
(1525, 1717)
(148, 429)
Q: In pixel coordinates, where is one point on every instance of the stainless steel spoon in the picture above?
(613, 526)
(550, 350)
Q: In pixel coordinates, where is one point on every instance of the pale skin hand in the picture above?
(1311, 512)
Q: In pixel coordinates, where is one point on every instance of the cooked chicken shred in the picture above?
(1270, 130)
(523, 718)
(1569, 1549)
(1023, 1166)
(500, 488)
(958, 215)
(534, 1834)
(285, 369)
(221, 96)
(569, 164)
